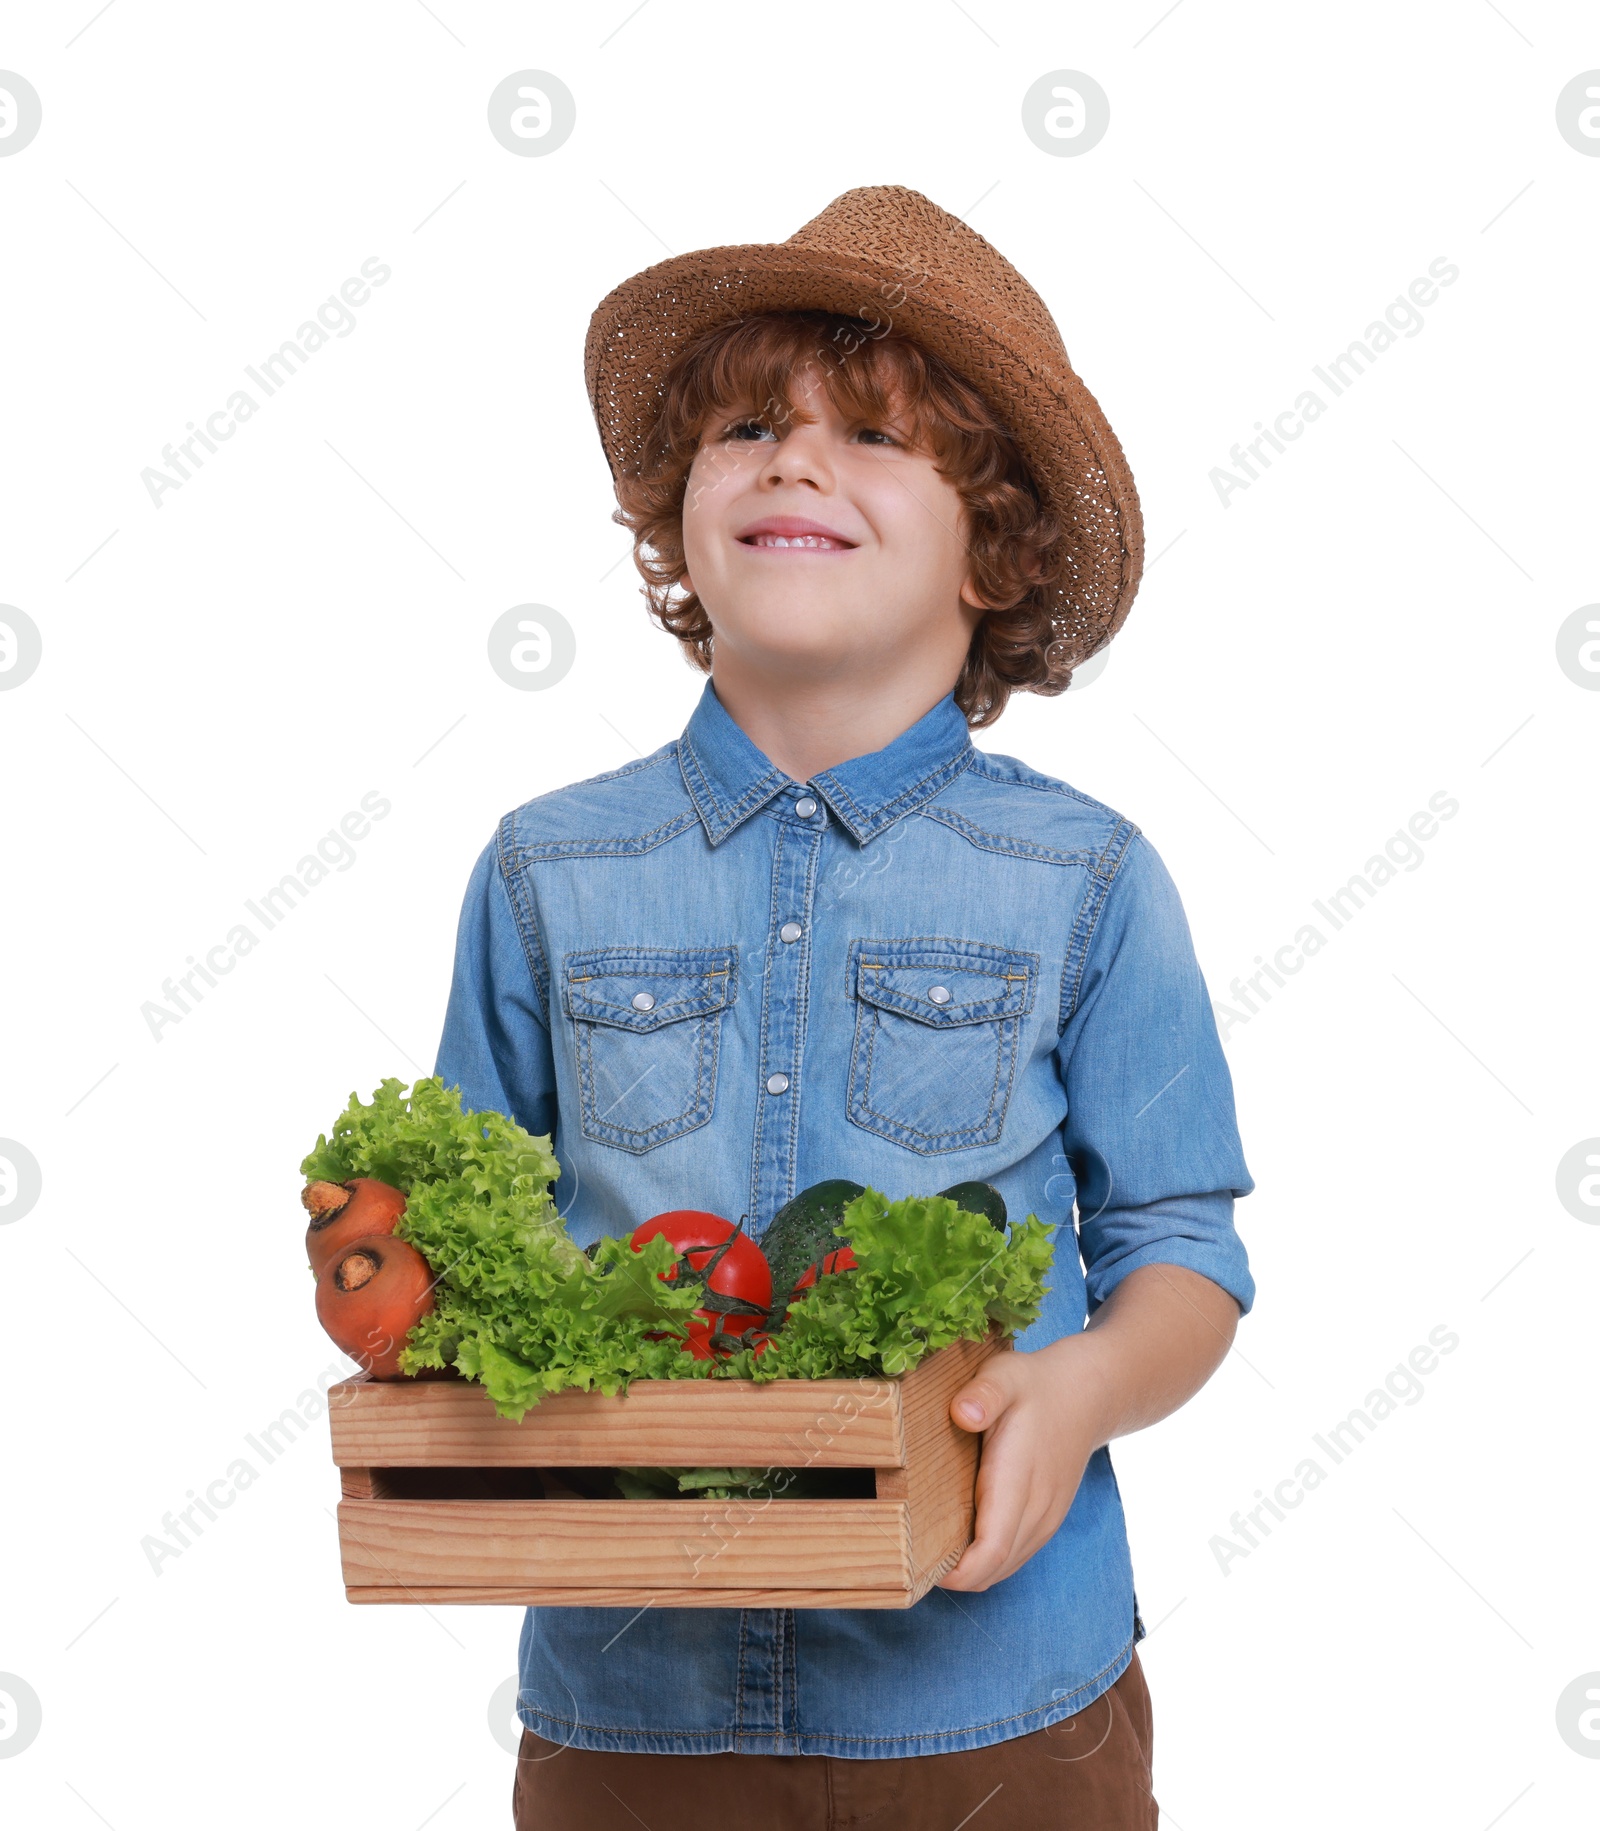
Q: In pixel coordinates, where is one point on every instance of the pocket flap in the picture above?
(642, 988)
(941, 982)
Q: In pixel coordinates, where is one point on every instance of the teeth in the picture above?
(795, 540)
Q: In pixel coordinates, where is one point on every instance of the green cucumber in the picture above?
(802, 1231)
(979, 1198)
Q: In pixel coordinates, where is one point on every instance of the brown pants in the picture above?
(1089, 1772)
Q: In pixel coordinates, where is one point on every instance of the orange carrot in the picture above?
(369, 1298)
(342, 1212)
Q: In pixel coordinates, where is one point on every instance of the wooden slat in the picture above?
(520, 1597)
(574, 1547)
(658, 1423)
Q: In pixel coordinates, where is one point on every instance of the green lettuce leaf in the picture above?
(927, 1274)
(421, 1140)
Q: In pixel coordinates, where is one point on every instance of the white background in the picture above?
(1372, 621)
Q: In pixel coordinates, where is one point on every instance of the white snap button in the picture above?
(777, 1083)
(642, 1001)
(791, 931)
(940, 995)
(805, 807)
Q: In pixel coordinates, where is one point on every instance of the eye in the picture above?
(748, 431)
(876, 435)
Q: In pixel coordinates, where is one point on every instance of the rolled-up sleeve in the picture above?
(1150, 1134)
(496, 1041)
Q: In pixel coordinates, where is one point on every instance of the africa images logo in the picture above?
(334, 318)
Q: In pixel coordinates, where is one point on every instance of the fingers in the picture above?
(1003, 1499)
(991, 1559)
(981, 1401)
(978, 1566)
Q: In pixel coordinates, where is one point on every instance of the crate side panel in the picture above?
(941, 1460)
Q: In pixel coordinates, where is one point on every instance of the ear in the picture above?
(969, 595)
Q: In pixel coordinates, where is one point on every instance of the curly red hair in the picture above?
(1015, 539)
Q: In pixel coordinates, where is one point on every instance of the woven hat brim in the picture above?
(1075, 458)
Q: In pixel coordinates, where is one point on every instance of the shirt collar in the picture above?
(729, 779)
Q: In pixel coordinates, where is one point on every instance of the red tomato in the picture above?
(844, 1260)
(731, 1264)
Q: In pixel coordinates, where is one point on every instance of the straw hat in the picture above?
(890, 255)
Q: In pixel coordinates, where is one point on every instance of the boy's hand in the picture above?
(1040, 1415)
(1150, 1346)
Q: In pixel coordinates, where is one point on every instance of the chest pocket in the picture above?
(647, 1022)
(937, 1028)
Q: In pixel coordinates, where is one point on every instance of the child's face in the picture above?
(876, 568)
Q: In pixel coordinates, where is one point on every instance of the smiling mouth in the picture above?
(812, 543)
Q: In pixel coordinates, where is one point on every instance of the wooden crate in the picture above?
(427, 1465)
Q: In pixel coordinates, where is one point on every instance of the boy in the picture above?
(823, 935)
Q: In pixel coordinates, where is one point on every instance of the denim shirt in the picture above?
(714, 986)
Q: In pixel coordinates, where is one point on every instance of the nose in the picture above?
(800, 457)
